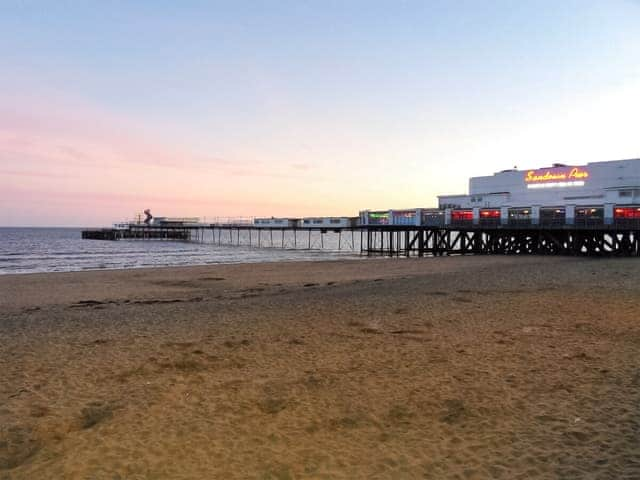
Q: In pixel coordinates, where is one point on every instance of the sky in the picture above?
(237, 109)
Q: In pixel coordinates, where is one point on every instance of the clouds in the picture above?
(74, 158)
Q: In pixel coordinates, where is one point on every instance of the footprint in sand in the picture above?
(19, 443)
(95, 413)
(371, 331)
(407, 332)
(454, 411)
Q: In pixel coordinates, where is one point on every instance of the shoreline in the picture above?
(348, 256)
(352, 258)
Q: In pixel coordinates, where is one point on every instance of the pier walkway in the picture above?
(399, 240)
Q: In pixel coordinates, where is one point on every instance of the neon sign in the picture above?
(549, 178)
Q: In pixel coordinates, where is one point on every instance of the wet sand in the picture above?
(467, 367)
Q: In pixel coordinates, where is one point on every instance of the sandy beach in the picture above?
(460, 367)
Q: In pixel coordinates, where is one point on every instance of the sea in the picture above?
(36, 250)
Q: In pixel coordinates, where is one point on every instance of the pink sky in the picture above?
(68, 164)
(65, 162)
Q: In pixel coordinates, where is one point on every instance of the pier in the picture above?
(138, 232)
(498, 240)
(347, 239)
(591, 209)
(399, 240)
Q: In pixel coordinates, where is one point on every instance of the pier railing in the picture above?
(232, 221)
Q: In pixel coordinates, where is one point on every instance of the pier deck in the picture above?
(400, 240)
(502, 240)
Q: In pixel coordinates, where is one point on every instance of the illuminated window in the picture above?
(627, 213)
(492, 213)
(462, 215)
(519, 214)
(589, 216)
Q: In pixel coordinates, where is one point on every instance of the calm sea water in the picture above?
(30, 250)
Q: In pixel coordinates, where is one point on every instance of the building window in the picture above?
(519, 213)
(589, 216)
(462, 215)
(552, 216)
